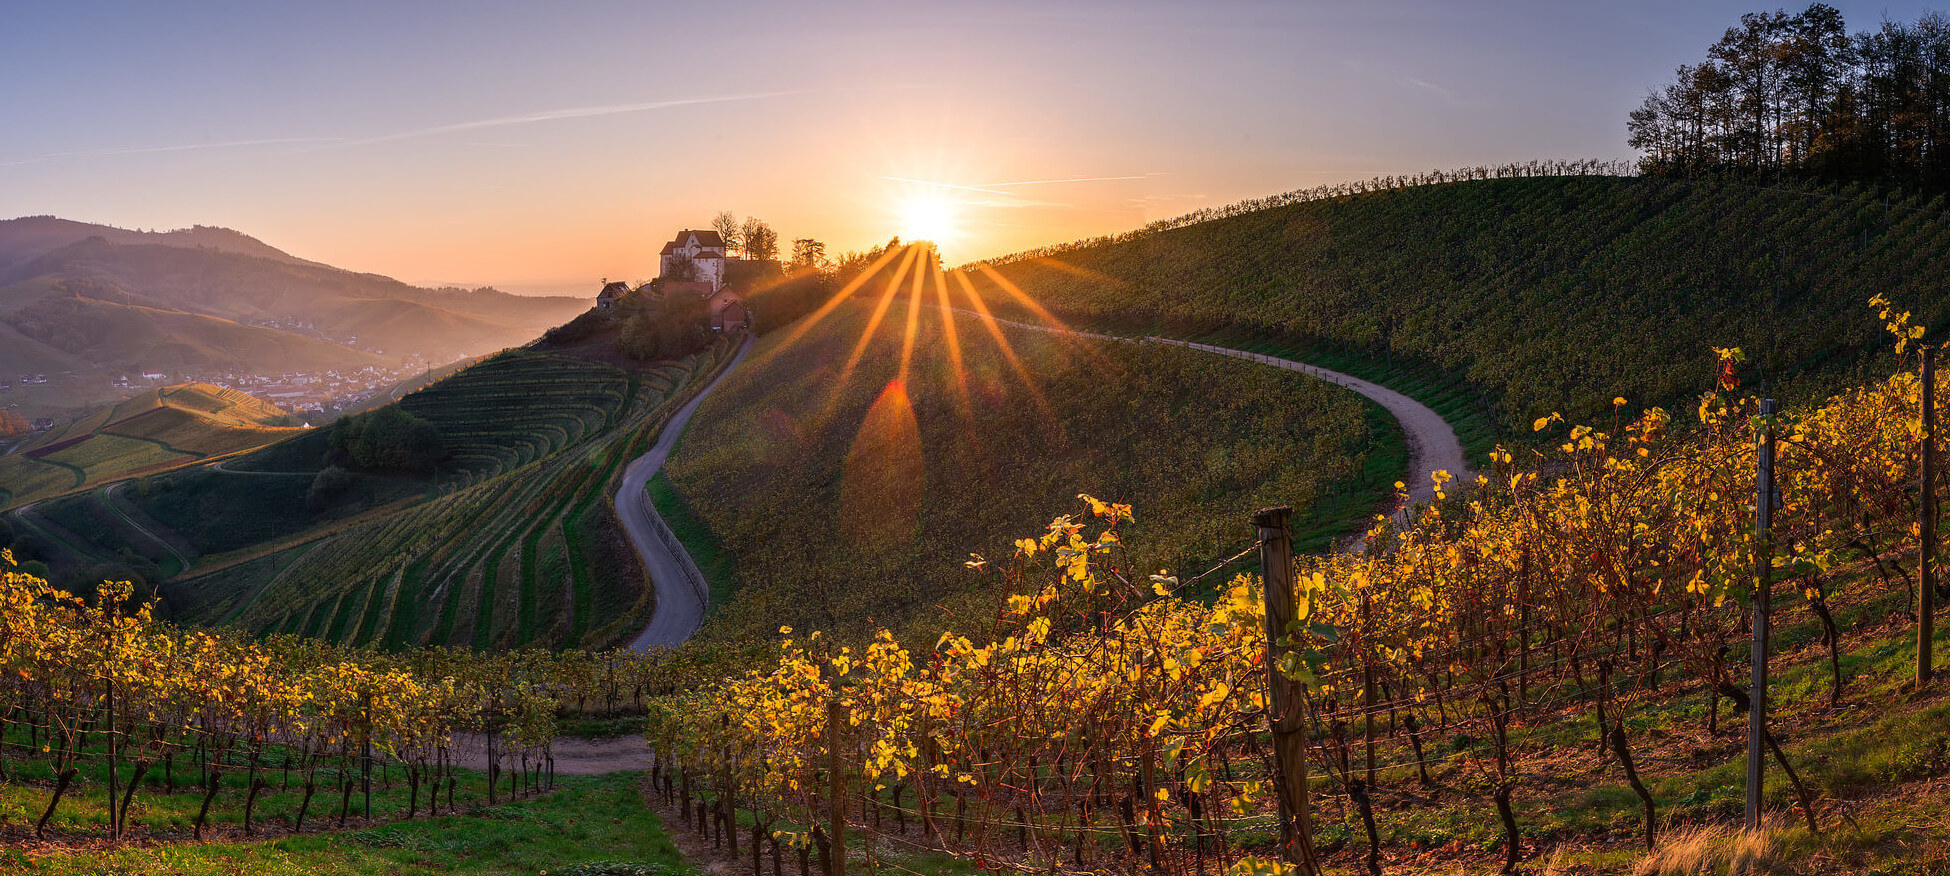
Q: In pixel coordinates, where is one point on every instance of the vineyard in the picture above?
(509, 541)
(1542, 293)
(523, 549)
(153, 432)
(118, 733)
(517, 408)
(1546, 659)
(876, 482)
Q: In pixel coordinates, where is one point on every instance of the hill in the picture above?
(29, 236)
(1539, 294)
(1547, 675)
(153, 432)
(500, 535)
(84, 302)
(847, 470)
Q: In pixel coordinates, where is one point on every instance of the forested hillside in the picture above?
(1545, 293)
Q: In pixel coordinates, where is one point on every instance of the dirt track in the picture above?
(574, 756)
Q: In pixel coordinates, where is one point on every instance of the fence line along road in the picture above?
(680, 589)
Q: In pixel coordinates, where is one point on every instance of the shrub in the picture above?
(388, 439)
(327, 487)
(677, 327)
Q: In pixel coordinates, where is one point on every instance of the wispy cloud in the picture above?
(582, 112)
(150, 150)
(1444, 93)
(943, 185)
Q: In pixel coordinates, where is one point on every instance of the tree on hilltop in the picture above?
(808, 254)
(727, 227)
(761, 243)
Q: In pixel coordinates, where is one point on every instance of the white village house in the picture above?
(694, 256)
(694, 263)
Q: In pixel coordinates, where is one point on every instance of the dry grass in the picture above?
(1713, 850)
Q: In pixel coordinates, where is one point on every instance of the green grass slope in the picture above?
(590, 825)
(153, 432)
(840, 496)
(1536, 294)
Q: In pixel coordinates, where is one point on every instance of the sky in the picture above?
(543, 147)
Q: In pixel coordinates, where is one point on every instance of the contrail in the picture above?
(144, 150)
(504, 121)
(560, 114)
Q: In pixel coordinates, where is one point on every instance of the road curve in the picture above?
(1432, 443)
(680, 586)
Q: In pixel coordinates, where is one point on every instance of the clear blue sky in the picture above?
(539, 145)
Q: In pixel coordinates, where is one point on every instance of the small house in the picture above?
(728, 309)
(612, 290)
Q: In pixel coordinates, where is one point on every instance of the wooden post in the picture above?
(836, 798)
(1287, 721)
(1763, 584)
(1367, 690)
(1926, 557)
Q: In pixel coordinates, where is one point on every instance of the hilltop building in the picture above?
(693, 257)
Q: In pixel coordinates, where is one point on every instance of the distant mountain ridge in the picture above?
(92, 299)
(30, 236)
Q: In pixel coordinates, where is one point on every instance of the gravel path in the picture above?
(680, 586)
(574, 755)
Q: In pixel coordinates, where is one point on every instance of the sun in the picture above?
(928, 216)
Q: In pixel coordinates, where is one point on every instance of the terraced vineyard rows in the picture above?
(519, 407)
(521, 549)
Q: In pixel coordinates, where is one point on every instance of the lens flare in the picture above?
(930, 216)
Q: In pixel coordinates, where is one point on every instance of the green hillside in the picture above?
(1540, 294)
(519, 547)
(823, 496)
(156, 431)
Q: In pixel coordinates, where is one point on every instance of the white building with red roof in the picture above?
(696, 256)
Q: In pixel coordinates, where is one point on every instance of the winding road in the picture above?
(680, 587)
(1432, 443)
